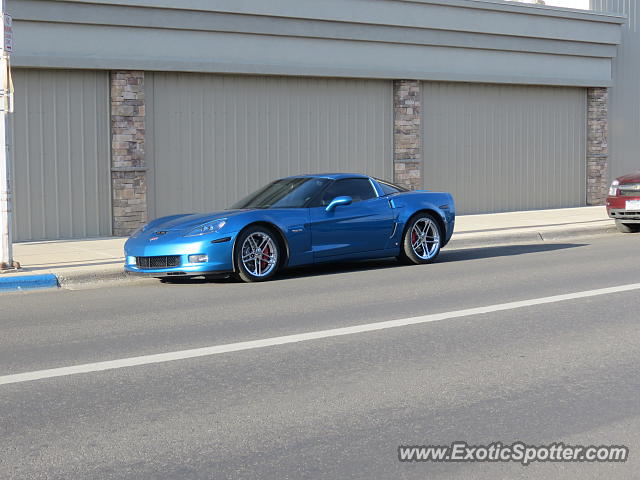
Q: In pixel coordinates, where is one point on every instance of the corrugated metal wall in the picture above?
(505, 148)
(61, 154)
(624, 98)
(215, 138)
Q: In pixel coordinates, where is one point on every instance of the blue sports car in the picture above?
(298, 220)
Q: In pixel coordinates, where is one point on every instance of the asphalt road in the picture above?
(336, 407)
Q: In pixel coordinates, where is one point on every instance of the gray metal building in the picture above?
(133, 109)
(624, 109)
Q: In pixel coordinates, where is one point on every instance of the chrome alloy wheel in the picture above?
(259, 254)
(425, 238)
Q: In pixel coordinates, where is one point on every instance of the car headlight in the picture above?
(613, 190)
(209, 227)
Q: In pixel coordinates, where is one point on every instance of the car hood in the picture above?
(629, 178)
(191, 221)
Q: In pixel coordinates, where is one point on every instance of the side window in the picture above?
(389, 189)
(358, 189)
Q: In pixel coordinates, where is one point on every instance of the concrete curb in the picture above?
(28, 282)
(25, 281)
(524, 235)
(96, 276)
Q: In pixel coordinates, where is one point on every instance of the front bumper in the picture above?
(186, 271)
(625, 216)
(219, 250)
(618, 208)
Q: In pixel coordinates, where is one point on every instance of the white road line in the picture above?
(301, 337)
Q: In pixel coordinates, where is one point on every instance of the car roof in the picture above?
(332, 176)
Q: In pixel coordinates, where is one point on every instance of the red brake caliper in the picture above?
(263, 263)
(414, 237)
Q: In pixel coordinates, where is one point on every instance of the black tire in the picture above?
(251, 270)
(426, 251)
(627, 227)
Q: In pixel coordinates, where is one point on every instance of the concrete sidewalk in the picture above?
(101, 259)
(72, 261)
(530, 226)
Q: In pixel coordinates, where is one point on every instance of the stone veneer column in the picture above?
(597, 145)
(128, 167)
(407, 134)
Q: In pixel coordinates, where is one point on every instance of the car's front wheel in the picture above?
(257, 254)
(627, 227)
(422, 240)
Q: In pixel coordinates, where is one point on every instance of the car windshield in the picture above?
(285, 193)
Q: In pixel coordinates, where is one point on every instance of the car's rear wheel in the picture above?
(257, 254)
(422, 240)
(627, 227)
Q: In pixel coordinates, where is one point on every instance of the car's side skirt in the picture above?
(388, 252)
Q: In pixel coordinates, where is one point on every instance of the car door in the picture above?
(363, 226)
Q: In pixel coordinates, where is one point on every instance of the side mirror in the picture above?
(336, 202)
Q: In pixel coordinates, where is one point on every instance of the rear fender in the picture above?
(440, 204)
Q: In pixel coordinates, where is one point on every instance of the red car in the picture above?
(623, 202)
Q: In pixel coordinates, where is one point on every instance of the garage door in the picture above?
(505, 148)
(215, 138)
(61, 155)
